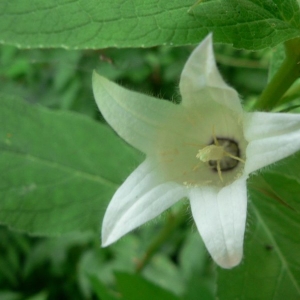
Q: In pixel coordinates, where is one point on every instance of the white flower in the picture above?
(203, 149)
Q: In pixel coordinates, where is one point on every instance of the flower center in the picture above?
(222, 154)
(231, 155)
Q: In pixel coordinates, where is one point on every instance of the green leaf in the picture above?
(249, 24)
(199, 285)
(58, 169)
(164, 272)
(193, 256)
(193, 259)
(100, 289)
(146, 290)
(271, 265)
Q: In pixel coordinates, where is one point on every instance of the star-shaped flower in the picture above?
(203, 149)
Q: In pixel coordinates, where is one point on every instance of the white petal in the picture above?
(201, 83)
(135, 117)
(142, 197)
(271, 137)
(220, 216)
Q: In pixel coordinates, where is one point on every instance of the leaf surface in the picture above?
(135, 287)
(58, 169)
(79, 24)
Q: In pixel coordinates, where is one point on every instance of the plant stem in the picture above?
(288, 72)
(173, 222)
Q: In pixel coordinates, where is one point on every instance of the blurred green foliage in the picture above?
(74, 266)
(60, 79)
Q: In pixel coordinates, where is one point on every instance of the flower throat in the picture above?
(222, 154)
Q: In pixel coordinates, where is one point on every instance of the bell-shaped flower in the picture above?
(203, 148)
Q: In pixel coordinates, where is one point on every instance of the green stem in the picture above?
(173, 222)
(286, 75)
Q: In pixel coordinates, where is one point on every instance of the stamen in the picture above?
(219, 170)
(234, 157)
(214, 136)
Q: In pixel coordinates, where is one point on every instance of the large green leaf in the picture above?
(80, 24)
(57, 169)
(271, 266)
(250, 24)
(135, 287)
(101, 290)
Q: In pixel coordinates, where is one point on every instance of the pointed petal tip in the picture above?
(220, 217)
(107, 240)
(96, 84)
(104, 244)
(97, 81)
(206, 44)
(94, 76)
(201, 83)
(229, 262)
(271, 137)
(208, 38)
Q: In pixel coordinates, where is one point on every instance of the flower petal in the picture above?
(220, 216)
(201, 83)
(135, 117)
(271, 137)
(141, 198)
